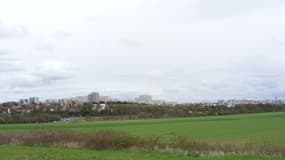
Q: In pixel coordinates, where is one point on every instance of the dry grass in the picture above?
(120, 141)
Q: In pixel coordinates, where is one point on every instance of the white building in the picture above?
(33, 100)
(93, 97)
(24, 101)
(146, 99)
(158, 102)
(105, 98)
(80, 99)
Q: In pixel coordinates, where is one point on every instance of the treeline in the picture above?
(29, 118)
(124, 110)
(137, 111)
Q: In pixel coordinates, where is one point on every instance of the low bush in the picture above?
(29, 118)
(121, 141)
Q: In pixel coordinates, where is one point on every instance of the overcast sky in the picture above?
(179, 50)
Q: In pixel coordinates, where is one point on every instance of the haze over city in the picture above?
(186, 50)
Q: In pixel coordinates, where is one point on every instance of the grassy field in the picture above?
(256, 128)
(42, 153)
(263, 127)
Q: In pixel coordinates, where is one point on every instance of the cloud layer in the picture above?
(187, 50)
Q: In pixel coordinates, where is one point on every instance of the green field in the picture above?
(42, 153)
(256, 128)
(263, 127)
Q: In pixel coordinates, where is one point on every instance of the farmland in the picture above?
(248, 127)
(259, 128)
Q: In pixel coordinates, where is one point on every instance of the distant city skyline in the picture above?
(96, 97)
(184, 51)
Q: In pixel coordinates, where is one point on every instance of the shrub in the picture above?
(121, 141)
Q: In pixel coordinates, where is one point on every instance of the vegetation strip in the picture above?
(110, 140)
(10, 152)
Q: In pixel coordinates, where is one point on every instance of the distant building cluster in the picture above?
(98, 103)
(147, 99)
(96, 98)
(27, 105)
(31, 100)
(234, 102)
(93, 97)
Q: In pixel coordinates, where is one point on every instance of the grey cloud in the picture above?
(280, 42)
(9, 58)
(12, 31)
(279, 94)
(62, 35)
(44, 46)
(5, 52)
(131, 43)
(10, 65)
(26, 76)
(6, 67)
(48, 78)
(208, 9)
(192, 11)
(251, 84)
(178, 50)
(26, 81)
